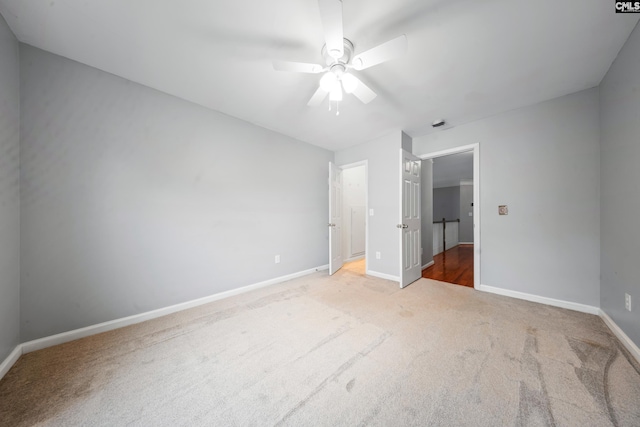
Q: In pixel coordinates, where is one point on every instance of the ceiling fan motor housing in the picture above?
(338, 69)
(344, 59)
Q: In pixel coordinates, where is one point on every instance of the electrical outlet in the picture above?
(627, 302)
(277, 259)
(378, 256)
(370, 212)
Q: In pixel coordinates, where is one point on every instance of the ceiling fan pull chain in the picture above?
(337, 108)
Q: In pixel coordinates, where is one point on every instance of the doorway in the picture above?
(348, 250)
(451, 216)
(354, 204)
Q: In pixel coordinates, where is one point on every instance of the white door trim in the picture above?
(476, 200)
(336, 260)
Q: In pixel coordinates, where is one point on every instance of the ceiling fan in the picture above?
(338, 55)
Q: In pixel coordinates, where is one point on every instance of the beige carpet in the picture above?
(346, 350)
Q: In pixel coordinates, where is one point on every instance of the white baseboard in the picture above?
(542, 300)
(11, 359)
(41, 343)
(424, 267)
(355, 258)
(382, 275)
(626, 341)
(64, 337)
(465, 243)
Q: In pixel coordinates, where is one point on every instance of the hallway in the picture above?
(453, 266)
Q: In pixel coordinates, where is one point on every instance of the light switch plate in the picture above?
(503, 210)
(370, 212)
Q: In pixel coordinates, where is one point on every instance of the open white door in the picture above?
(410, 242)
(335, 218)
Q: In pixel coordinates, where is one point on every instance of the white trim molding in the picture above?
(477, 222)
(75, 334)
(354, 164)
(45, 342)
(542, 300)
(619, 333)
(427, 265)
(138, 318)
(382, 275)
(355, 258)
(11, 359)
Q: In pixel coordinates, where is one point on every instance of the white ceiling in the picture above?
(448, 171)
(467, 59)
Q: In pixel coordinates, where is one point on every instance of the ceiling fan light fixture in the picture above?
(336, 92)
(349, 83)
(328, 81)
(338, 54)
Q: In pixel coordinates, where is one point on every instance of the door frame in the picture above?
(364, 163)
(336, 197)
(475, 148)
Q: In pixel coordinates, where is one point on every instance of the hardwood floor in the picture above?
(453, 266)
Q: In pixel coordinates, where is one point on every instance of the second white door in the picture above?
(410, 226)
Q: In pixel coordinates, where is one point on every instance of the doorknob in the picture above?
(402, 226)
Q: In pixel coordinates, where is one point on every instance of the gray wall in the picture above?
(383, 155)
(134, 200)
(446, 203)
(620, 187)
(9, 191)
(426, 188)
(465, 232)
(406, 142)
(542, 161)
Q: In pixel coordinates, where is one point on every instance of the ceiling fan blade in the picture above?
(317, 97)
(331, 14)
(297, 67)
(363, 92)
(384, 52)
